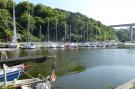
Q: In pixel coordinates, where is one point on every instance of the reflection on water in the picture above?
(96, 78)
(85, 68)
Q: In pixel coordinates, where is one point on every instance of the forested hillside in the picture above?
(52, 19)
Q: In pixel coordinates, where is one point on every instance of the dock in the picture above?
(40, 58)
(128, 85)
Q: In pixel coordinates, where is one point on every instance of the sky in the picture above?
(109, 12)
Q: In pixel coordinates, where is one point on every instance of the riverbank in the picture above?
(128, 85)
(126, 45)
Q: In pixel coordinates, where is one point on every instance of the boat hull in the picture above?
(11, 76)
(29, 46)
(11, 73)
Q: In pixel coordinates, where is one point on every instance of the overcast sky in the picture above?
(109, 12)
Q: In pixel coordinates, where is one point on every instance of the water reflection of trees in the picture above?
(68, 61)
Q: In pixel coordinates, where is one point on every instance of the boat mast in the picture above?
(70, 32)
(82, 36)
(87, 33)
(48, 30)
(14, 25)
(28, 28)
(40, 33)
(56, 30)
(65, 31)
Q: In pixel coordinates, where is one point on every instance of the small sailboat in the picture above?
(29, 45)
(12, 73)
(13, 44)
(33, 83)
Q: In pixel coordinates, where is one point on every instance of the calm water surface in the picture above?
(84, 68)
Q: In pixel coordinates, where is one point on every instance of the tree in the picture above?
(5, 19)
(8, 33)
(24, 7)
(39, 15)
(123, 35)
(3, 4)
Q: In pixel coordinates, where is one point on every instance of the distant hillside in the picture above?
(82, 28)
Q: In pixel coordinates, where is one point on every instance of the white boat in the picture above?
(73, 45)
(85, 44)
(50, 44)
(93, 44)
(29, 46)
(13, 44)
(53, 45)
(60, 45)
(111, 45)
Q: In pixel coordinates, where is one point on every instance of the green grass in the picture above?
(6, 87)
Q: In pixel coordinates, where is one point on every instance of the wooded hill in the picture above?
(82, 28)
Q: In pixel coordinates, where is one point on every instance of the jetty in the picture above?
(128, 85)
(40, 58)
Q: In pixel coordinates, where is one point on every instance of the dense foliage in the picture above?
(125, 34)
(55, 20)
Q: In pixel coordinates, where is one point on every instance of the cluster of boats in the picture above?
(49, 44)
(31, 45)
(76, 45)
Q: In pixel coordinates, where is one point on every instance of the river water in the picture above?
(84, 68)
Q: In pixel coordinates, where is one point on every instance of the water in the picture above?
(85, 68)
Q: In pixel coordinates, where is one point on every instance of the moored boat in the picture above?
(12, 45)
(29, 46)
(12, 73)
(33, 83)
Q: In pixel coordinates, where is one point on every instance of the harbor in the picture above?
(50, 44)
(88, 66)
(67, 44)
